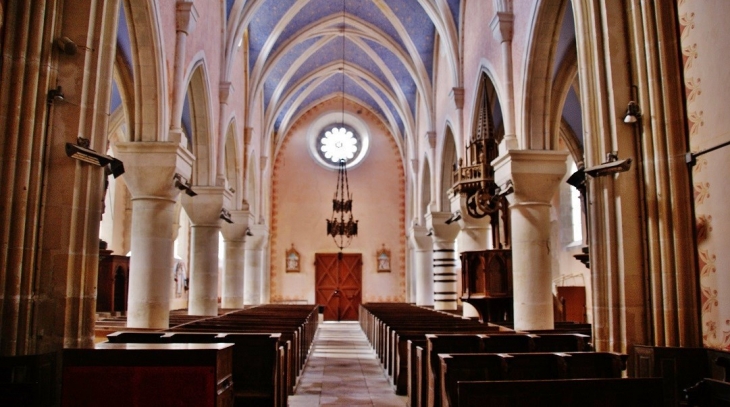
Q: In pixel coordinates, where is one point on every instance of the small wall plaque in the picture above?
(292, 260)
(383, 259)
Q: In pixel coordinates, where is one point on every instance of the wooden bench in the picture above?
(524, 366)
(28, 380)
(117, 374)
(645, 392)
(708, 392)
(680, 368)
(513, 343)
(389, 326)
(258, 365)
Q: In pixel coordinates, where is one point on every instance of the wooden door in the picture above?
(339, 285)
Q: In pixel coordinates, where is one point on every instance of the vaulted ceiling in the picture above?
(297, 50)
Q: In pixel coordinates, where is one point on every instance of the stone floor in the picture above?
(343, 370)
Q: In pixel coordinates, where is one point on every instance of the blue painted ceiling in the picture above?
(296, 53)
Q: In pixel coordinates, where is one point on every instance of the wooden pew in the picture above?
(645, 392)
(389, 326)
(297, 325)
(708, 392)
(436, 344)
(116, 374)
(258, 368)
(28, 380)
(525, 366)
(680, 368)
(413, 375)
(504, 343)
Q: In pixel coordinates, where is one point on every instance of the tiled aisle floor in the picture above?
(343, 370)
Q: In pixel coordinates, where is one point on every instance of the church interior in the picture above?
(182, 175)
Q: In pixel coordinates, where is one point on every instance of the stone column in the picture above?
(410, 272)
(204, 211)
(535, 175)
(149, 171)
(422, 264)
(253, 270)
(234, 240)
(265, 274)
(444, 260)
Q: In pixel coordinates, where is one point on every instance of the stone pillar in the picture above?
(422, 264)
(204, 211)
(265, 274)
(535, 175)
(410, 272)
(253, 270)
(234, 240)
(149, 171)
(444, 260)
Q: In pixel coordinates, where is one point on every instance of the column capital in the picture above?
(225, 90)
(420, 239)
(236, 231)
(475, 233)
(204, 209)
(260, 235)
(442, 231)
(502, 26)
(247, 134)
(431, 139)
(535, 174)
(150, 167)
(457, 95)
(186, 16)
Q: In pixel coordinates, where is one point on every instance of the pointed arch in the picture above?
(201, 113)
(536, 88)
(232, 167)
(425, 190)
(251, 177)
(150, 76)
(448, 161)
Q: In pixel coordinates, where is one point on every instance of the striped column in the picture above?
(445, 288)
(444, 276)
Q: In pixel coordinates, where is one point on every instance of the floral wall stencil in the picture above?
(707, 86)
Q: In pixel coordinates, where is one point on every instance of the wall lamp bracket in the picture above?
(633, 114)
(612, 166)
(55, 95)
(81, 151)
(183, 184)
(454, 217)
(226, 215)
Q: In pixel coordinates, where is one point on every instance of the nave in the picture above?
(343, 370)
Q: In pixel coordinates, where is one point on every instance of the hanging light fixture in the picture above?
(342, 226)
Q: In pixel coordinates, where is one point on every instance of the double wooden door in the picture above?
(339, 285)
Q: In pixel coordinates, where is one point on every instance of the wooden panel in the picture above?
(572, 393)
(112, 284)
(148, 375)
(574, 301)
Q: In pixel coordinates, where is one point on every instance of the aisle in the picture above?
(343, 370)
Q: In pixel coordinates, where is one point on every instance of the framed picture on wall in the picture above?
(292, 260)
(383, 260)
